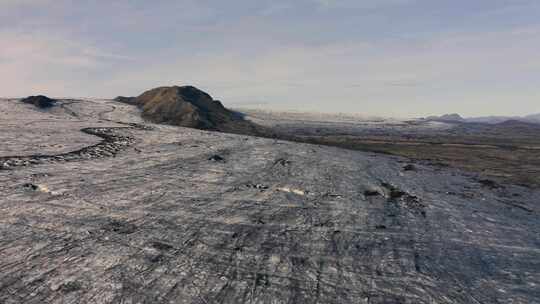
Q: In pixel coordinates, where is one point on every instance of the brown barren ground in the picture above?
(518, 164)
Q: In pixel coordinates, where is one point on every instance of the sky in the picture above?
(401, 58)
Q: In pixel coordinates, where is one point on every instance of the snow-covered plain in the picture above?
(148, 214)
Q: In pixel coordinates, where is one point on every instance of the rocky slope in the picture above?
(188, 106)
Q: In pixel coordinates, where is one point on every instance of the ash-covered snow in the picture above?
(271, 222)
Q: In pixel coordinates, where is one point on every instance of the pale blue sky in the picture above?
(380, 57)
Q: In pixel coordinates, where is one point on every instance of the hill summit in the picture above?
(184, 106)
(40, 101)
(187, 106)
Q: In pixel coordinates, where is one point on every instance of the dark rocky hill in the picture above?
(184, 106)
(188, 106)
(40, 101)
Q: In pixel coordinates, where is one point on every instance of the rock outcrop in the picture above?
(124, 99)
(40, 101)
(188, 106)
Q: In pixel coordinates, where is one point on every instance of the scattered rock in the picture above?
(35, 187)
(257, 186)
(283, 162)
(161, 246)
(395, 193)
(216, 158)
(410, 201)
(120, 227)
(409, 167)
(30, 186)
(332, 195)
(70, 287)
(112, 143)
(40, 175)
(259, 221)
(154, 257)
(326, 223)
(371, 193)
(141, 126)
(489, 184)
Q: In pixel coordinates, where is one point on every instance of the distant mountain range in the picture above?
(533, 118)
(447, 118)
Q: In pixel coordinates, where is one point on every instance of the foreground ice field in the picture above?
(130, 212)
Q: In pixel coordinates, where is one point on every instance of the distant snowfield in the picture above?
(339, 121)
(312, 116)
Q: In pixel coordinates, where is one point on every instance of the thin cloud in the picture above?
(47, 62)
(320, 55)
(365, 4)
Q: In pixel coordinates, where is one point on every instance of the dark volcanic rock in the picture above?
(188, 106)
(31, 186)
(489, 184)
(216, 158)
(371, 193)
(184, 106)
(124, 99)
(113, 142)
(40, 101)
(409, 167)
